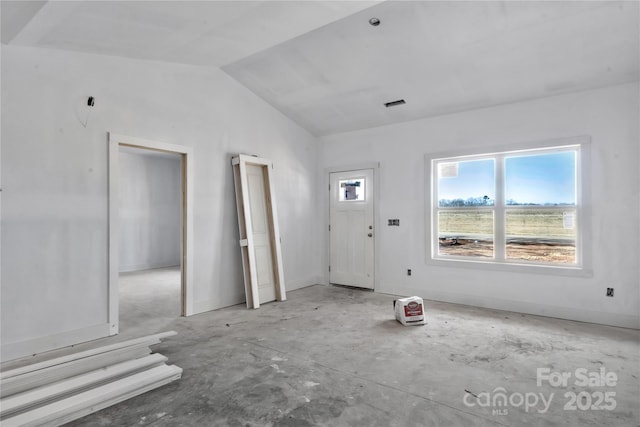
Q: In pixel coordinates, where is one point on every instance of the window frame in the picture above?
(499, 262)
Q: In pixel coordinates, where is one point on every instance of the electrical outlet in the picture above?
(408, 272)
(609, 292)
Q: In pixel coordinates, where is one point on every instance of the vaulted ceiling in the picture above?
(326, 67)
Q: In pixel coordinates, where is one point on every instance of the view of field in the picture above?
(544, 234)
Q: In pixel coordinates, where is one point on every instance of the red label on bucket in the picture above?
(413, 309)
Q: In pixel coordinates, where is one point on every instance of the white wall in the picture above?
(54, 207)
(54, 172)
(610, 116)
(150, 209)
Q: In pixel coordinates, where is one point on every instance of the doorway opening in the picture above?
(150, 200)
(150, 234)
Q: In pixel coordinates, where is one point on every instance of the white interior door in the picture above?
(261, 233)
(351, 228)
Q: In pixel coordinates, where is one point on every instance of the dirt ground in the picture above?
(525, 251)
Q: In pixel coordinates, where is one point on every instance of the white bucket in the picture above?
(409, 311)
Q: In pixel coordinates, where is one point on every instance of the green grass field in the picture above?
(531, 223)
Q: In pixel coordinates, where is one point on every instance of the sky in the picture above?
(474, 179)
(537, 179)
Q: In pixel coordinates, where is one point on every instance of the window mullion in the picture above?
(499, 226)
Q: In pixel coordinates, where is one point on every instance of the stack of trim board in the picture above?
(57, 391)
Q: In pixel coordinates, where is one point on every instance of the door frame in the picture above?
(375, 166)
(186, 248)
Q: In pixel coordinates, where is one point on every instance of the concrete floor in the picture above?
(332, 356)
(150, 301)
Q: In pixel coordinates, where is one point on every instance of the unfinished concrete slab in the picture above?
(148, 300)
(332, 356)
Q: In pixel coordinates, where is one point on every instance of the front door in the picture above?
(351, 228)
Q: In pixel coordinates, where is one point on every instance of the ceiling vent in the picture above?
(394, 103)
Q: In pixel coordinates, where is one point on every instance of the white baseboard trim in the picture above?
(141, 267)
(16, 350)
(567, 313)
(211, 304)
(292, 285)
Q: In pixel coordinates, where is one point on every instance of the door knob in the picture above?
(370, 234)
